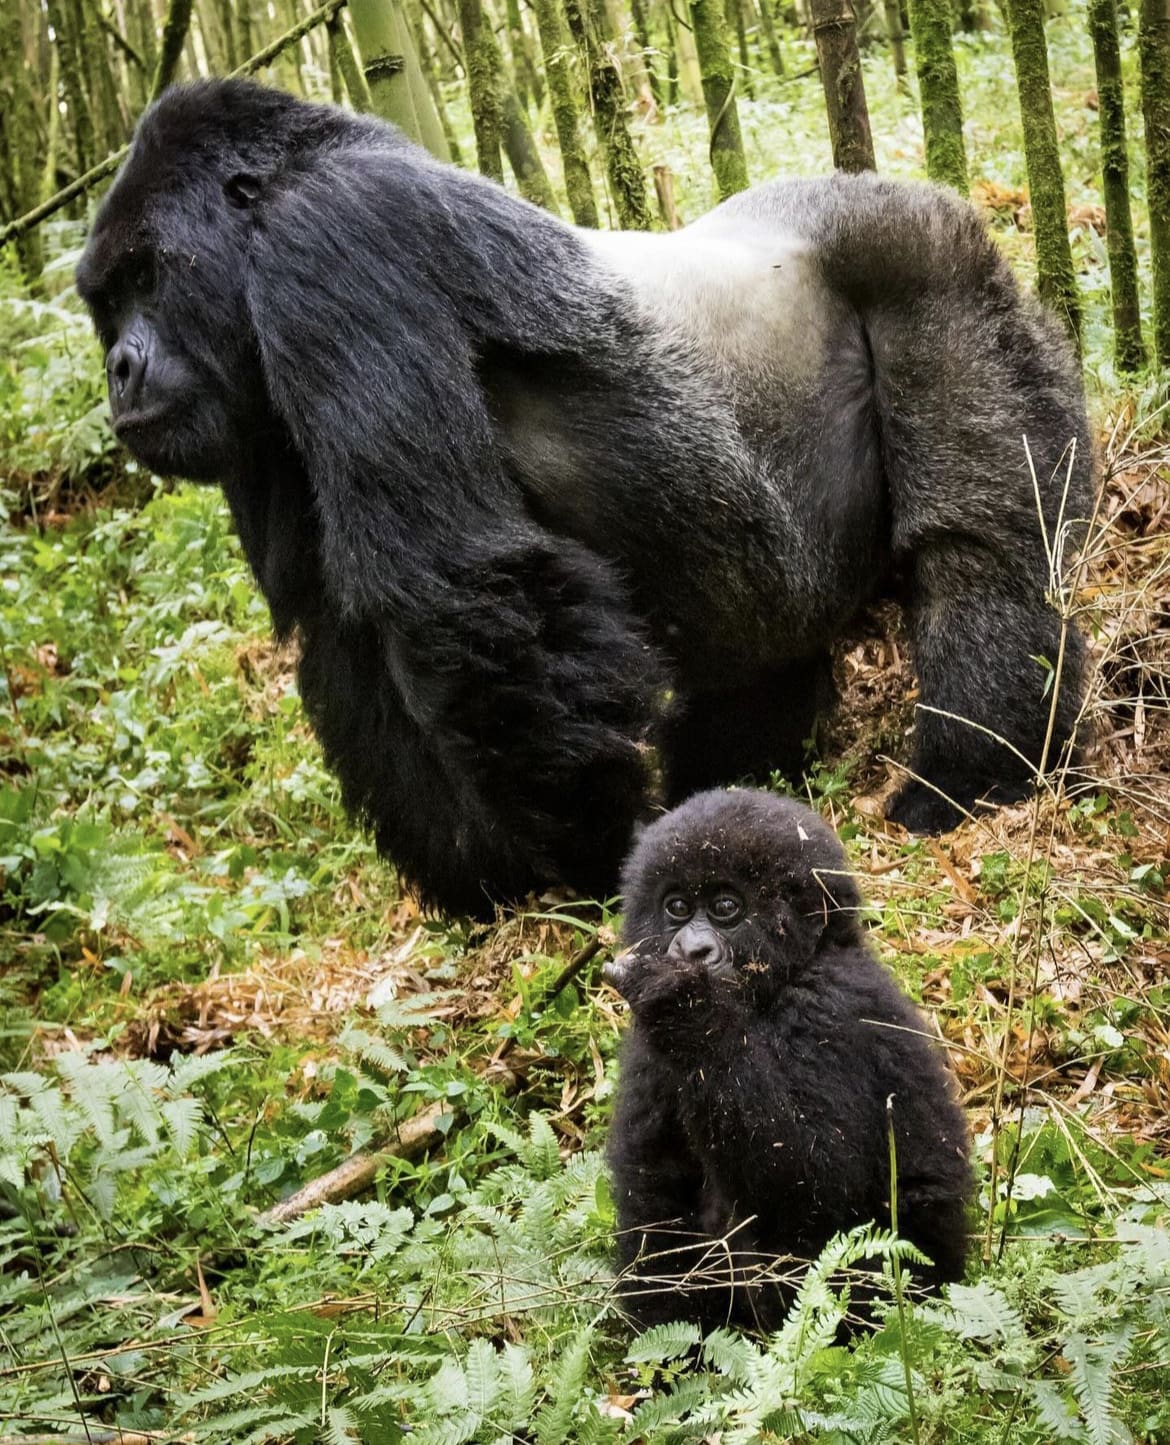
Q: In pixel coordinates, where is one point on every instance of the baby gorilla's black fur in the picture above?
(766, 1041)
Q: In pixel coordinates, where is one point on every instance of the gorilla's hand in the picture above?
(666, 994)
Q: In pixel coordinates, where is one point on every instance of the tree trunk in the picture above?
(53, 141)
(690, 74)
(342, 50)
(486, 112)
(555, 43)
(673, 90)
(529, 84)
(641, 21)
(18, 143)
(431, 69)
(388, 59)
(74, 87)
(175, 29)
(1154, 46)
(897, 41)
(1128, 350)
(1055, 279)
(938, 87)
(727, 158)
(836, 39)
(430, 127)
(745, 63)
(244, 41)
(523, 155)
(622, 166)
(771, 40)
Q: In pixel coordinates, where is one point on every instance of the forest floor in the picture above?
(213, 994)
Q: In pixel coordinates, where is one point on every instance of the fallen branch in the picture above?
(98, 1437)
(359, 1171)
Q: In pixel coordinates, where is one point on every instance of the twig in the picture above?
(574, 966)
(359, 1171)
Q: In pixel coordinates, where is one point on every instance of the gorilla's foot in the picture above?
(942, 803)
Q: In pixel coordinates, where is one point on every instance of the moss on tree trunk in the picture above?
(1123, 276)
(622, 166)
(938, 87)
(835, 31)
(1154, 45)
(727, 158)
(1055, 279)
(558, 67)
(486, 112)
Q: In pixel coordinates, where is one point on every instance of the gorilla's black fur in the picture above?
(766, 1041)
(511, 482)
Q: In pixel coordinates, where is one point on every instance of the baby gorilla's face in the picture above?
(706, 926)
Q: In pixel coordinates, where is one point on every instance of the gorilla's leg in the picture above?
(985, 645)
(761, 726)
(980, 417)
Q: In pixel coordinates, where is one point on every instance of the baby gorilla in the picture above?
(751, 1119)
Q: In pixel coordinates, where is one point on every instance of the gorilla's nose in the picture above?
(698, 944)
(125, 371)
(706, 953)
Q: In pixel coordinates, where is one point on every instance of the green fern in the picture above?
(662, 1343)
(555, 1419)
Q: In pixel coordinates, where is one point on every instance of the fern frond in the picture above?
(664, 1342)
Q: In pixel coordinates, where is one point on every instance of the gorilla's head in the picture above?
(165, 273)
(749, 885)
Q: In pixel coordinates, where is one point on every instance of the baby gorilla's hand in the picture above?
(661, 990)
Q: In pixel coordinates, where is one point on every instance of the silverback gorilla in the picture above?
(766, 1041)
(513, 484)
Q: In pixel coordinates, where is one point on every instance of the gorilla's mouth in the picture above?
(132, 426)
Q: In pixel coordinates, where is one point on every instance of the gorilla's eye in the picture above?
(677, 907)
(726, 907)
(242, 190)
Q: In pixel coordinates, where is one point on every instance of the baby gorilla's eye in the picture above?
(677, 908)
(726, 907)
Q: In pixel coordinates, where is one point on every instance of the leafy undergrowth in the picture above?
(212, 995)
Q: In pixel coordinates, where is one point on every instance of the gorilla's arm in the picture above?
(972, 382)
(519, 680)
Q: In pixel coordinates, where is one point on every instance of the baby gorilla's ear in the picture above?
(837, 899)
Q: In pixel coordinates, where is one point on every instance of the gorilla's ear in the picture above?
(242, 190)
(841, 899)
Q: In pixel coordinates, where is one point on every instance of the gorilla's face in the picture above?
(168, 297)
(744, 886)
(165, 275)
(709, 923)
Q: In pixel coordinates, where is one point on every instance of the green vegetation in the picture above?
(212, 993)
